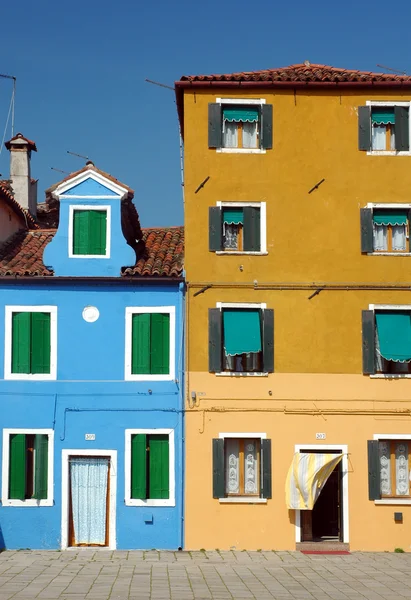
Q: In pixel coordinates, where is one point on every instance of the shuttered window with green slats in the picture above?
(150, 345)
(28, 466)
(150, 469)
(90, 232)
(30, 342)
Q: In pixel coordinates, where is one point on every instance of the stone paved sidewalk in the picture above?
(103, 575)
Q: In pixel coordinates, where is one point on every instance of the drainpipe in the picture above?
(182, 400)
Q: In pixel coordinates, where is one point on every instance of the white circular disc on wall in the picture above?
(90, 314)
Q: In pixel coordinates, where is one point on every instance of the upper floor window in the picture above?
(150, 333)
(240, 125)
(30, 342)
(241, 339)
(384, 127)
(385, 230)
(387, 340)
(237, 227)
(89, 233)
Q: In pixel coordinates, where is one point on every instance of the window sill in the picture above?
(134, 502)
(148, 377)
(31, 502)
(388, 253)
(403, 501)
(388, 153)
(243, 500)
(29, 377)
(238, 252)
(241, 150)
(390, 376)
(89, 256)
(232, 374)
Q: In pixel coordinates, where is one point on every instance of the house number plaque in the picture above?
(90, 437)
(320, 436)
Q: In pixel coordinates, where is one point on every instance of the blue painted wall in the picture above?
(91, 396)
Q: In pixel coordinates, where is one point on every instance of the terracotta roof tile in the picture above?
(22, 254)
(6, 194)
(20, 136)
(163, 253)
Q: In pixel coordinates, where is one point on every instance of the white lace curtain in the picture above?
(402, 484)
(399, 239)
(379, 137)
(232, 450)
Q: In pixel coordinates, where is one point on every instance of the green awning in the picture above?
(233, 215)
(383, 116)
(242, 331)
(394, 335)
(390, 217)
(240, 115)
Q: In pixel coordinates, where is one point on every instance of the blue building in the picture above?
(91, 371)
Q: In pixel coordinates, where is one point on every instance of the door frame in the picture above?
(112, 455)
(344, 481)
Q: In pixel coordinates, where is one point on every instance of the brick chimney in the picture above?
(24, 188)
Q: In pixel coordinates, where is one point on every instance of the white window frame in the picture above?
(5, 500)
(385, 206)
(9, 310)
(263, 227)
(373, 103)
(257, 306)
(399, 437)
(76, 207)
(243, 499)
(130, 311)
(390, 307)
(171, 501)
(250, 101)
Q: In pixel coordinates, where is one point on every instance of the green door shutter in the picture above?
(268, 340)
(215, 229)
(266, 469)
(140, 344)
(214, 126)
(159, 467)
(160, 344)
(20, 342)
(97, 232)
(40, 342)
(215, 348)
(368, 342)
(139, 466)
(366, 230)
(17, 467)
(364, 128)
(266, 126)
(218, 468)
(402, 128)
(41, 444)
(374, 472)
(80, 231)
(252, 228)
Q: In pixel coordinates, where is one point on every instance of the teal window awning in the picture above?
(394, 335)
(383, 116)
(390, 217)
(233, 216)
(242, 331)
(241, 115)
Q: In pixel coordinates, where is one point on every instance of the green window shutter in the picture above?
(40, 342)
(252, 228)
(364, 128)
(374, 473)
(368, 342)
(266, 126)
(41, 444)
(20, 342)
(266, 469)
(80, 231)
(97, 232)
(139, 466)
(402, 128)
(17, 467)
(218, 468)
(140, 344)
(268, 340)
(160, 344)
(366, 230)
(159, 467)
(214, 126)
(215, 229)
(215, 351)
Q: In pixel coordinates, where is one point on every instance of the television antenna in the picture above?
(11, 109)
(393, 70)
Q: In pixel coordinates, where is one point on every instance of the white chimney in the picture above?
(24, 189)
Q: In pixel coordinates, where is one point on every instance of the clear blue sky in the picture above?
(81, 66)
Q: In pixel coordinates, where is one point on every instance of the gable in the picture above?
(90, 187)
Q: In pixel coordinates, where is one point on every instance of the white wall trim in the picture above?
(130, 311)
(240, 101)
(73, 197)
(241, 374)
(389, 307)
(9, 310)
(242, 500)
(386, 205)
(241, 150)
(392, 436)
(259, 305)
(263, 223)
(243, 435)
(116, 188)
(129, 501)
(344, 450)
(65, 456)
(76, 207)
(5, 468)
